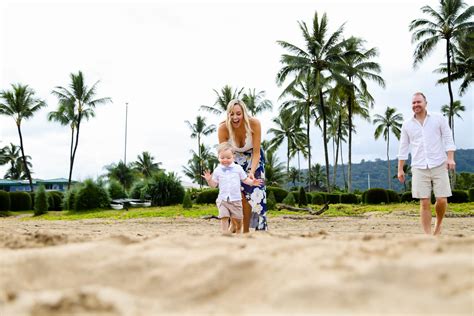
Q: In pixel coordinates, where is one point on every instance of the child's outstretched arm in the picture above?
(254, 182)
(208, 176)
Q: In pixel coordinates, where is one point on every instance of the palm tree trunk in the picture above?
(299, 168)
(349, 168)
(388, 162)
(24, 158)
(342, 166)
(308, 123)
(79, 117)
(326, 155)
(451, 101)
(288, 160)
(200, 161)
(338, 137)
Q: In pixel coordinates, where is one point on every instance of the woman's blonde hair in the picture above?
(228, 123)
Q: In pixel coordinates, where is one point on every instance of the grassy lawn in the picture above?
(464, 209)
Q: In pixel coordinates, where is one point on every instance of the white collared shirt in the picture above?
(429, 142)
(228, 179)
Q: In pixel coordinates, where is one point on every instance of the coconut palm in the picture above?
(286, 128)
(450, 22)
(198, 130)
(317, 176)
(121, 172)
(391, 121)
(10, 155)
(145, 164)
(322, 60)
(75, 105)
(293, 175)
(207, 161)
(456, 111)
(463, 64)
(256, 102)
(20, 103)
(223, 98)
(274, 169)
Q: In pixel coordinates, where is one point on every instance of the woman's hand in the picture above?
(251, 175)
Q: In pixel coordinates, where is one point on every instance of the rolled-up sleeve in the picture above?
(447, 135)
(404, 145)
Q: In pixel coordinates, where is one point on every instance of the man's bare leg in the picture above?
(425, 214)
(440, 208)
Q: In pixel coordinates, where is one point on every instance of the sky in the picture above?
(164, 58)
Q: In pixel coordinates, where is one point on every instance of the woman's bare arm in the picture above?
(222, 133)
(256, 139)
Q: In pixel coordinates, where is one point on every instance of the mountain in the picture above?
(377, 171)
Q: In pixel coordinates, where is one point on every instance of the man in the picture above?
(430, 138)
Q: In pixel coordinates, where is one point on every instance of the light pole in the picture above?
(126, 117)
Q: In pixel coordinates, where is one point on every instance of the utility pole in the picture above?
(126, 118)
(368, 181)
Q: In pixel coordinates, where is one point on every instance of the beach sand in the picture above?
(370, 265)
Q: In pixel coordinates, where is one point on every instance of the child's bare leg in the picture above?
(237, 224)
(225, 225)
(232, 227)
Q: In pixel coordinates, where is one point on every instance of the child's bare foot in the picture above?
(437, 230)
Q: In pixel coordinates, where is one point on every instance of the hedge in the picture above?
(471, 194)
(55, 199)
(20, 201)
(279, 193)
(459, 196)
(376, 196)
(407, 197)
(349, 198)
(208, 196)
(5, 203)
(393, 196)
(333, 198)
(317, 199)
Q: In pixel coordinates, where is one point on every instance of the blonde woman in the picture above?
(244, 134)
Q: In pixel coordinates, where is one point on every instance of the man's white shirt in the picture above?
(228, 179)
(428, 142)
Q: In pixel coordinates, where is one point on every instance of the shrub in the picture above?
(69, 198)
(407, 197)
(459, 196)
(41, 201)
(471, 194)
(164, 189)
(271, 201)
(325, 196)
(333, 198)
(20, 201)
(187, 203)
(317, 199)
(55, 199)
(91, 196)
(5, 203)
(138, 190)
(349, 198)
(363, 198)
(32, 196)
(376, 196)
(302, 198)
(393, 196)
(289, 199)
(207, 196)
(116, 190)
(279, 193)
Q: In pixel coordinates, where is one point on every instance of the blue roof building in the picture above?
(59, 184)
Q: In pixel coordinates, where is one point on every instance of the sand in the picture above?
(370, 265)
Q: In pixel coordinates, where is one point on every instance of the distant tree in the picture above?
(389, 122)
(20, 103)
(145, 164)
(256, 102)
(207, 161)
(199, 129)
(223, 98)
(121, 172)
(75, 105)
(274, 169)
(456, 111)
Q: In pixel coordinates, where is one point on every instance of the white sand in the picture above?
(373, 265)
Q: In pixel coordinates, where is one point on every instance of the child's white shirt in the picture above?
(228, 179)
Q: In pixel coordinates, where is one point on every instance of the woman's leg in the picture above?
(247, 210)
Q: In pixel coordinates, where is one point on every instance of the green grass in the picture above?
(464, 209)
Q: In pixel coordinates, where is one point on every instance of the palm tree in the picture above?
(274, 169)
(75, 105)
(145, 164)
(317, 176)
(463, 64)
(360, 67)
(20, 103)
(207, 161)
(11, 155)
(449, 23)
(121, 172)
(389, 122)
(456, 111)
(293, 175)
(199, 129)
(256, 102)
(286, 129)
(223, 98)
(322, 60)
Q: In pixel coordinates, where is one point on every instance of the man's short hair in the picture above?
(420, 93)
(224, 146)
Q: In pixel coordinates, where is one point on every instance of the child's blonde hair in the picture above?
(224, 146)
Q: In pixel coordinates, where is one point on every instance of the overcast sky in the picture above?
(165, 58)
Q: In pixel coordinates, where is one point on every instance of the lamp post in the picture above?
(126, 117)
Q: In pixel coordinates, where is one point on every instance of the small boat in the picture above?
(116, 206)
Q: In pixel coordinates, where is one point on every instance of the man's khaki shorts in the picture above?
(422, 179)
(232, 209)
